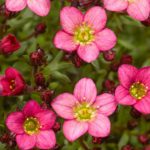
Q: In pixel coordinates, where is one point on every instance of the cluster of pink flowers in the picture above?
(83, 111)
(137, 9)
(40, 7)
(12, 83)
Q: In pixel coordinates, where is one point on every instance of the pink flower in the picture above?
(137, 9)
(85, 33)
(9, 44)
(84, 111)
(40, 7)
(12, 83)
(33, 126)
(134, 88)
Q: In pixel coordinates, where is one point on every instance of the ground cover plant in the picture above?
(74, 74)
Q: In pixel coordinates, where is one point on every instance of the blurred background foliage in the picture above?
(133, 39)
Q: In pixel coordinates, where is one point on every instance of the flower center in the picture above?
(84, 112)
(12, 85)
(31, 125)
(84, 34)
(138, 90)
(130, 1)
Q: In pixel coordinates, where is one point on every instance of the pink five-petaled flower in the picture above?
(137, 9)
(12, 83)
(84, 111)
(40, 7)
(33, 126)
(85, 33)
(134, 88)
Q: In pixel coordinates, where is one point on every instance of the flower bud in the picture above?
(56, 126)
(146, 22)
(109, 55)
(127, 147)
(6, 13)
(77, 61)
(109, 85)
(114, 66)
(57, 147)
(40, 79)
(37, 57)
(47, 95)
(126, 59)
(74, 3)
(97, 140)
(5, 138)
(87, 3)
(40, 28)
(132, 124)
(147, 147)
(143, 139)
(135, 114)
(9, 44)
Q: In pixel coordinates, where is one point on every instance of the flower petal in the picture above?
(127, 74)
(1, 89)
(106, 103)
(11, 73)
(70, 18)
(25, 141)
(115, 5)
(64, 41)
(73, 129)
(139, 9)
(143, 105)
(85, 90)
(46, 118)
(105, 39)
(15, 5)
(88, 53)
(100, 127)
(31, 108)
(5, 87)
(40, 7)
(14, 122)
(123, 96)
(96, 17)
(63, 105)
(46, 139)
(143, 76)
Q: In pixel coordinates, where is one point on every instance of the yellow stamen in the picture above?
(31, 126)
(138, 90)
(84, 112)
(84, 34)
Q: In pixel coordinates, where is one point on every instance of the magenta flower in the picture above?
(12, 83)
(40, 7)
(134, 88)
(85, 33)
(33, 126)
(85, 111)
(137, 9)
(9, 44)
